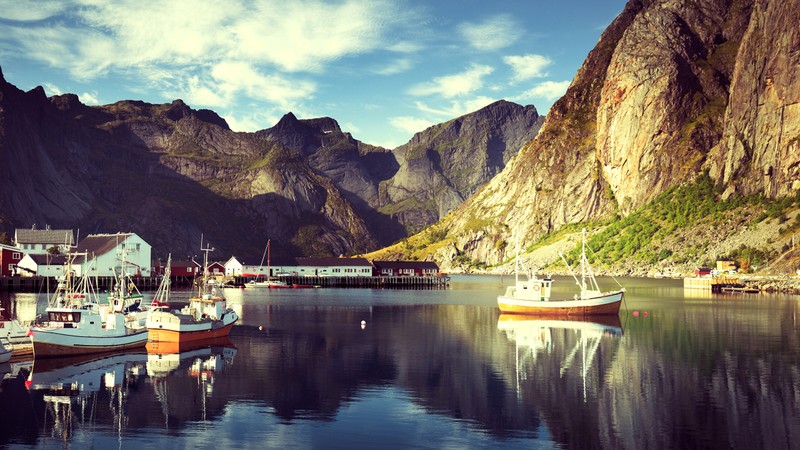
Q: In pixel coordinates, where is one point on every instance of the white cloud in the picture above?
(456, 108)
(89, 98)
(492, 34)
(528, 66)
(29, 11)
(51, 89)
(410, 124)
(251, 122)
(455, 85)
(398, 66)
(125, 34)
(549, 90)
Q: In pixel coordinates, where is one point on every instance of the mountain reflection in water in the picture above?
(695, 372)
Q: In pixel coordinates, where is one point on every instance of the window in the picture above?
(11, 267)
(16, 255)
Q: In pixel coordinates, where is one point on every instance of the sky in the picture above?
(383, 69)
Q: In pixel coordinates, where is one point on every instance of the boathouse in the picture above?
(405, 268)
(177, 268)
(37, 242)
(334, 267)
(104, 254)
(9, 259)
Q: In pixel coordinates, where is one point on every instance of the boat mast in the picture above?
(516, 260)
(583, 263)
(269, 272)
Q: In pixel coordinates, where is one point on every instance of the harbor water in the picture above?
(431, 368)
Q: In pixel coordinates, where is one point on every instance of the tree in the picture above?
(54, 250)
(5, 239)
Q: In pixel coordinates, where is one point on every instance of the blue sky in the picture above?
(383, 69)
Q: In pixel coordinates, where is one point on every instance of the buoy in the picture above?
(260, 328)
(363, 324)
(636, 314)
(645, 313)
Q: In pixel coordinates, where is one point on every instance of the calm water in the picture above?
(433, 369)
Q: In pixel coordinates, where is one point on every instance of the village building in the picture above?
(46, 265)
(9, 260)
(178, 268)
(37, 242)
(215, 268)
(238, 267)
(103, 255)
(405, 268)
(333, 267)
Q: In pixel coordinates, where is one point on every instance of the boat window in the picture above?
(59, 316)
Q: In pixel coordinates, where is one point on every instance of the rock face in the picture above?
(760, 147)
(443, 165)
(171, 173)
(672, 88)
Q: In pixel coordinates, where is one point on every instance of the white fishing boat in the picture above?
(268, 282)
(77, 324)
(205, 317)
(5, 350)
(12, 331)
(532, 296)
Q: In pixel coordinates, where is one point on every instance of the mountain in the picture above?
(671, 91)
(171, 174)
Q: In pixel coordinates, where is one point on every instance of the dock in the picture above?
(718, 284)
(376, 282)
(48, 284)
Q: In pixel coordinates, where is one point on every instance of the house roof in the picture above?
(405, 265)
(326, 262)
(27, 236)
(100, 244)
(52, 260)
(183, 263)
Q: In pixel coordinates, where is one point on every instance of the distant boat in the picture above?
(77, 324)
(269, 282)
(205, 317)
(532, 296)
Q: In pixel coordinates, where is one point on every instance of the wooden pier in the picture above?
(48, 284)
(404, 282)
(718, 284)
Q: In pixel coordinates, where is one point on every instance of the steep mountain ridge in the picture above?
(172, 173)
(672, 89)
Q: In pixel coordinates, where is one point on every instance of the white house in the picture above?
(42, 265)
(38, 241)
(333, 267)
(239, 268)
(104, 254)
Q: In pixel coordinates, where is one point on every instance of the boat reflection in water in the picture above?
(561, 340)
(70, 388)
(170, 364)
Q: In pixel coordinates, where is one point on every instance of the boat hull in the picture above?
(187, 334)
(607, 304)
(51, 344)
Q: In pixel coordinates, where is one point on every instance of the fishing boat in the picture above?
(13, 332)
(5, 351)
(268, 282)
(532, 296)
(77, 324)
(205, 317)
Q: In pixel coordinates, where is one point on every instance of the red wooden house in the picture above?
(405, 268)
(9, 258)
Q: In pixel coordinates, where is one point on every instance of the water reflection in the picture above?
(719, 372)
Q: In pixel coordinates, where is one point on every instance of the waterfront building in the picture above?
(39, 241)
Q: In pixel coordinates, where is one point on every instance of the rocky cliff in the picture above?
(172, 173)
(670, 90)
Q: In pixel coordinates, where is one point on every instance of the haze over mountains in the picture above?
(171, 173)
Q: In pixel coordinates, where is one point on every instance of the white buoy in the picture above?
(363, 324)
(260, 328)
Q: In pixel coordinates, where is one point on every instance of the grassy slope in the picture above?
(683, 228)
